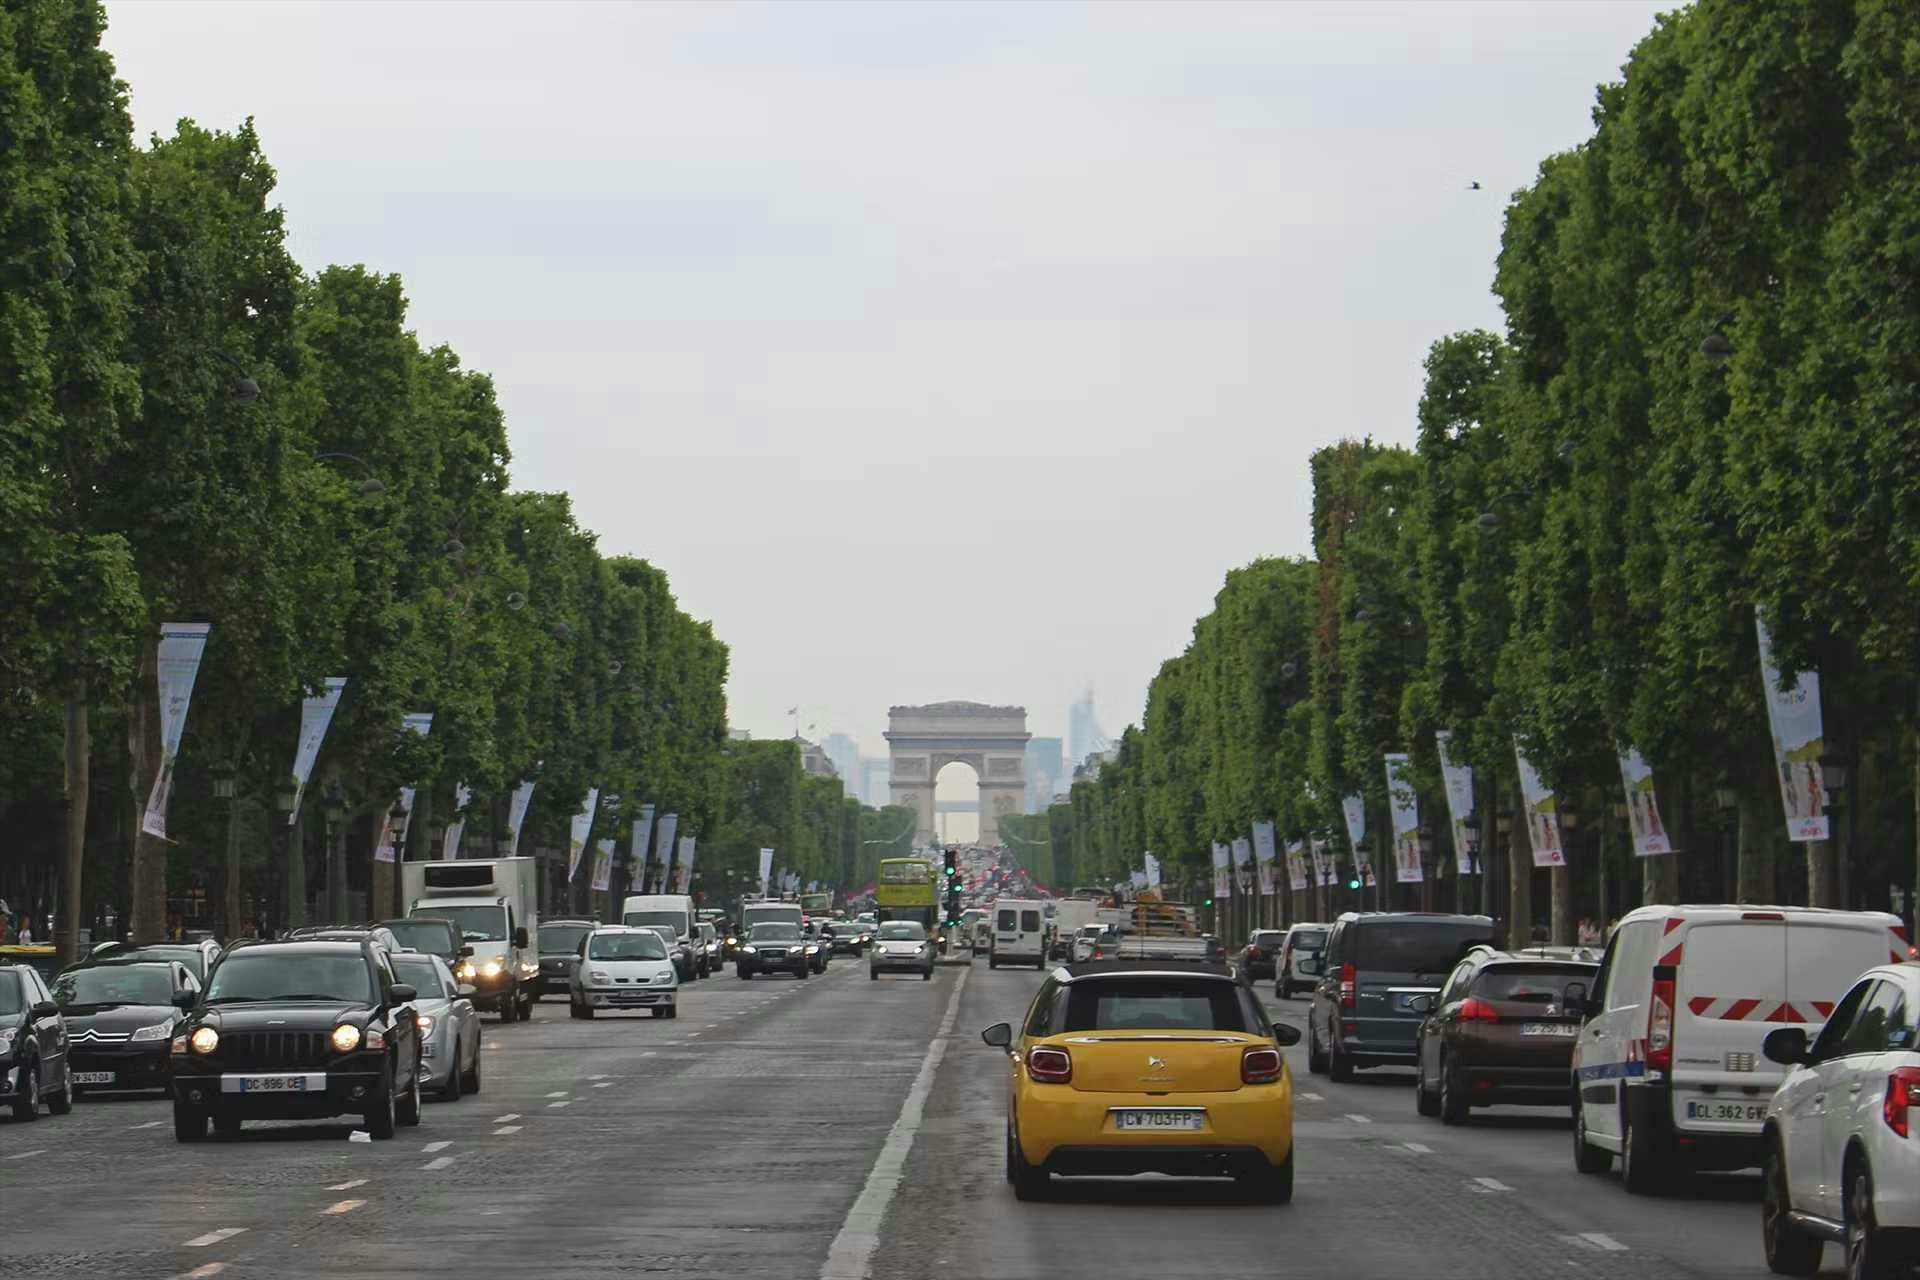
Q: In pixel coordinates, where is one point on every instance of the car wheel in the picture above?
(1587, 1158)
(509, 1008)
(455, 1085)
(874, 974)
(471, 1080)
(189, 1123)
(993, 961)
(379, 1116)
(741, 971)
(802, 974)
(1028, 1182)
(1272, 1185)
(1425, 1101)
(407, 1110)
(573, 1007)
(1640, 1172)
(1340, 1067)
(586, 1012)
(927, 976)
(1789, 1252)
(1454, 1107)
(226, 1124)
(1871, 1254)
(26, 1103)
(61, 1103)
(1316, 1056)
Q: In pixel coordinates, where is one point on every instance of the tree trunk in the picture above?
(78, 779)
(1755, 870)
(1519, 878)
(1560, 903)
(147, 912)
(1820, 860)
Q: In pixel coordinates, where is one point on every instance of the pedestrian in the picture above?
(1539, 933)
(1589, 931)
(26, 931)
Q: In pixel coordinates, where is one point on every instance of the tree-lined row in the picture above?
(1704, 404)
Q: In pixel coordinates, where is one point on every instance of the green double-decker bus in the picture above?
(906, 891)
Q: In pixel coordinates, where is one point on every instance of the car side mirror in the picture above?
(1786, 1046)
(464, 953)
(1286, 1034)
(45, 1009)
(520, 936)
(400, 993)
(1419, 1004)
(1308, 965)
(185, 999)
(465, 990)
(999, 1035)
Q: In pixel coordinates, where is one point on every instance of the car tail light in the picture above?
(1346, 986)
(1660, 1026)
(1260, 1065)
(1253, 953)
(1048, 1065)
(1903, 1091)
(1474, 1009)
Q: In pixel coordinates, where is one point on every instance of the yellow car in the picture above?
(1147, 1070)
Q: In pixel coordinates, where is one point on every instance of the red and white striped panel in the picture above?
(1749, 1009)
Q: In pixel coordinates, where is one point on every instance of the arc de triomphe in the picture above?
(924, 740)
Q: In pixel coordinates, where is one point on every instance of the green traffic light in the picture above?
(1353, 884)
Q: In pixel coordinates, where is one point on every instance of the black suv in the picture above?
(1366, 1007)
(33, 1046)
(298, 1031)
(559, 947)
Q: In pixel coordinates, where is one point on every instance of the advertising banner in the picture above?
(517, 815)
(1153, 872)
(1263, 855)
(392, 836)
(603, 864)
(1403, 806)
(1643, 807)
(450, 844)
(1242, 865)
(641, 847)
(1354, 807)
(1543, 813)
(1799, 739)
(683, 872)
(1459, 784)
(578, 831)
(1297, 864)
(178, 665)
(1222, 871)
(315, 715)
(766, 869)
(663, 846)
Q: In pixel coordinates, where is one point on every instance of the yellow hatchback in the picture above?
(1143, 1069)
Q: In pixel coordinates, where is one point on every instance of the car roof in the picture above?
(1692, 911)
(591, 924)
(1142, 969)
(1411, 917)
(301, 946)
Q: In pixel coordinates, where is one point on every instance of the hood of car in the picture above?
(301, 1015)
(628, 968)
(115, 1017)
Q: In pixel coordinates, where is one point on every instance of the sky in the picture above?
(935, 351)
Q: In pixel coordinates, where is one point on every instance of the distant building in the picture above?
(740, 735)
(1083, 731)
(845, 754)
(814, 760)
(874, 776)
(1044, 768)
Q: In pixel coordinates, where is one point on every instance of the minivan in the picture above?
(1019, 933)
(1305, 940)
(1365, 1011)
(671, 909)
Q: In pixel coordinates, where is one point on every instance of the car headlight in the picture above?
(667, 976)
(750, 950)
(464, 972)
(346, 1038)
(6, 1038)
(424, 1021)
(204, 1040)
(597, 976)
(158, 1031)
(492, 969)
(733, 942)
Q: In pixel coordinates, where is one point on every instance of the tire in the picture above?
(509, 1008)
(226, 1124)
(1588, 1158)
(455, 1085)
(1426, 1102)
(1028, 1182)
(189, 1123)
(380, 1116)
(573, 1009)
(406, 1109)
(1640, 1171)
(1339, 1066)
(742, 972)
(1454, 1106)
(803, 975)
(1316, 1056)
(1272, 1186)
(1871, 1254)
(993, 961)
(586, 1012)
(1789, 1252)
(927, 976)
(873, 973)
(26, 1103)
(61, 1103)
(673, 1011)
(470, 1081)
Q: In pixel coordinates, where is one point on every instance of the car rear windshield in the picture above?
(775, 931)
(115, 984)
(1403, 946)
(290, 975)
(422, 935)
(1310, 940)
(1530, 983)
(1154, 1004)
(1268, 939)
(419, 973)
(562, 939)
(627, 946)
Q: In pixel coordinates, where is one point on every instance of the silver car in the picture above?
(900, 946)
(449, 1025)
(623, 967)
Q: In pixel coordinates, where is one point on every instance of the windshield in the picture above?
(902, 931)
(1309, 940)
(1531, 984)
(775, 932)
(291, 975)
(626, 946)
(115, 984)
(562, 939)
(675, 920)
(1164, 1004)
(476, 924)
(12, 1000)
(1393, 946)
(423, 935)
(420, 973)
(761, 915)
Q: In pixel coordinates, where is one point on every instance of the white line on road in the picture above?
(604, 1084)
(22, 1155)
(1491, 1184)
(564, 1102)
(204, 1271)
(1603, 1241)
(341, 1206)
(560, 1093)
(432, 1147)
(859, 1235)
(1358, 1119)
(348, 1186)
(506, 1129)
(598, 1077)
(507, 1118)
(1311, 1097)
(1420, 1148)
(151, 1124)
(438, 1162)
(213, 1237)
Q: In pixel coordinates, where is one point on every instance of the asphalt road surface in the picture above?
(820, 1129)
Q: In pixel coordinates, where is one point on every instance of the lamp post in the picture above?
(1470, 840)
(1833, 779)
(398, 816)
(1424, 839)
(1726, 802)
(1560, 883)
(285, 797)
(333, 808)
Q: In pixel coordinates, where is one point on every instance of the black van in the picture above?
(1375, 964)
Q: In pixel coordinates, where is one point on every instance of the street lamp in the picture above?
(369, 486)
(285, 798)
(333, 810)
(243, 388)
(223, 772)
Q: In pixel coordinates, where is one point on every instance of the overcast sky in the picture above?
(935, 351)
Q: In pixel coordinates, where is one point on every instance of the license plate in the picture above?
(93, 1077)
(1184, 1121)
(1549, 1029)
(273, 1084)
(426, 1050)
(1747, 1112)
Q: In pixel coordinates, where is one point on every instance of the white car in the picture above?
(1843, 1133)
(901, 946)
(1091, 939)
(449, 1025)
(624, 968)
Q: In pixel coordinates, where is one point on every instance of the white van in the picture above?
(1019, 933)
(676, 909)
(1667, 1066)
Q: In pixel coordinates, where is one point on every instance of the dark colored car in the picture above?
(199, 957)
(774, 947)
(298, 1031)
(1374, 965)
(428, 934)
(822, 949)
(1256, 959)
(686, 964)
(1501, 1031)
(33, 1046)
(709, 941)
(559, 948)
(120, 1015)
(845, 937)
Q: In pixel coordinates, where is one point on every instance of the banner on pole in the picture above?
(175, 669)
(315, 715)
(1799, 739)
(1263, 856)
(1354, 808)
(391, 835)
(603, 864)
(1153, 872)
(1222, 876)
(641, 847)
(766, 869)
(1242, 865)
(683, 873)
(1643, 807)
(517, 815)
(578, 831)
(1543, 813)
(1403, 807)
(1459, 783)
(450, 843)
(1297, 864)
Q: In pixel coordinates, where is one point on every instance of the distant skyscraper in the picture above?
(875, 780)
(845, 754)
(1044, 767)
(1083, 731)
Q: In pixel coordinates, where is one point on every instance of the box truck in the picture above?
(494, 904)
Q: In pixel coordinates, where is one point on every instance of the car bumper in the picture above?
(1381, 1040)
(1254, 1123)
(1650, 1108)
(902, 964)
(629, 997)
(144, 1067)
(329, 1093)
(1500, 1083)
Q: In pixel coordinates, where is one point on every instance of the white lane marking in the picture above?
(507, 1118)
(438, 1162)
(1310, 1097)
(604, 1084)
(506, 1129)
(1420, 1148)
(432, 1147)
(558, 1093)
(1603, 1241)
(341, 1206)
(859, 1235)
(348, 1186)
(598, 1077)
(564, 1102)
(213, 1237)
(1358, 1119)
(22, 1155)
(151, 1124)
(204, 1271)
(1491, 1184)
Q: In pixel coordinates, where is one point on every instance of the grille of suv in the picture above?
(306, 1049)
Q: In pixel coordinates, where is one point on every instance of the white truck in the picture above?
(494, 904)
(1069, 916)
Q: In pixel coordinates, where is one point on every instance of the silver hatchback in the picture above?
(449, 1025)
(900, 946)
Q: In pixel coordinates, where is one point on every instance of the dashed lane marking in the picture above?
(432, 1147)
(507, 1118)
(1490, 1184)
(564, 1102)
(151, 1124)
(341, 1206)
(348, 1186)
(506, 1129)
(603, 1084)
(1311, 1097)
(213, 1237)
(1359, 1119)
(438, 1162)
(1600, 1240)
(22, 1155)
(1420, 1148)
(558, 1093)
(204, 1271)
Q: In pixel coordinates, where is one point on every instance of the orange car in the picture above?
(1147, 1068)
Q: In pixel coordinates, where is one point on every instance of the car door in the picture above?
(1803, 1100)
(1858, 1084)
(1433, 1029)
(1602, 1057)
(1326, 987)
(49, 1033)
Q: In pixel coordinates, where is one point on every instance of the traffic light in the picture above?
(1353, 882)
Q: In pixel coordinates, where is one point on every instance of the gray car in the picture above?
(900, 946)
(449, 1025)
(1366, 1008)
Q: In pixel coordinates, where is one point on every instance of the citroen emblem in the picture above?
(1156, 1064)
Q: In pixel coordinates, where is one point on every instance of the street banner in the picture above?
(1263, 854)
(1222, 877)
(1297, 864)
(1459, 783)
(391, 836)
(517, 815)
(1242, 864)
(1643, 807)
(766, 868)
(1139, 879)
(1403, 806)
(603, 864)
(1799, 739)
(1543, 813)
(315, 715)
(178, 664)
(683, 873)
(578, 831)
(1153, 872)
(450, 843)
(663, 841)
(1355, 809)
(642, 846)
